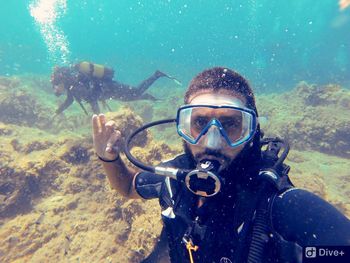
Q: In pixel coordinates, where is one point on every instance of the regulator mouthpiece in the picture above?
(203, 181)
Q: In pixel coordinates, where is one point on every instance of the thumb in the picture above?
(113, 143)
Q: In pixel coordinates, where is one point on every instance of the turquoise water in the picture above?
(273, 43)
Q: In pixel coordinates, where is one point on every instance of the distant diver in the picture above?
(94, 83)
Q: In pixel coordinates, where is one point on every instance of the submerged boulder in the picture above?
(17, 189)
(127, 122)
(78, 152)
(8, 83)
(18, 108)
(21, 105)
(310, 117)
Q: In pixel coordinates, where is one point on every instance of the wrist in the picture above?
(108, 160)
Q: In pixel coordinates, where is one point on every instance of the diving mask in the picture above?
(214, 123)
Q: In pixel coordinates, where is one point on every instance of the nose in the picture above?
(213, 139)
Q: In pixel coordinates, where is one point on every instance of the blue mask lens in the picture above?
(234, 124)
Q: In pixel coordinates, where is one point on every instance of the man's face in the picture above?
(59, 89)
(224, 154)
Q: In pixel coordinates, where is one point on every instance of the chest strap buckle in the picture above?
(190, 246)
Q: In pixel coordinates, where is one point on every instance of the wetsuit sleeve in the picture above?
(303, 217)
(69, 100)
(148, 185)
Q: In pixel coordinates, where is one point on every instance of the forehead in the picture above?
(223, 97)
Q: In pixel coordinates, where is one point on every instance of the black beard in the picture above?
(189, 155)
(227, 172)
(241, 169)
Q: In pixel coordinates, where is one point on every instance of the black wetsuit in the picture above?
(80, 88)
(297, 218)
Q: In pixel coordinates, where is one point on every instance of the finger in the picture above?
(114, 139)
(110, 126)
(95, 125)
(102, 118)
(112, 144)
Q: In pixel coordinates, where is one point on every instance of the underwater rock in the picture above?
(316, 118)
(58, 204)
(154, 153)
(145, 110)
(77, 123)
(49, 173)
(7, 188)
(36, 146)
(30, 147)
(127, 122)
(54, 166)
(77, 154)
(8, 83)
(4, 131)
(40, 82)
(23, 104)
(75, 187)
(17, 194)
(130, 210)
(313, 184)
(16, 145)
(123, 235)
(26, 174)
(314, 95)
(20, 107)
(63, 166)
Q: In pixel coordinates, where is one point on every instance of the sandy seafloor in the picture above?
(56, 204)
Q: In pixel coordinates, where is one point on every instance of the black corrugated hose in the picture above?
(260, 229)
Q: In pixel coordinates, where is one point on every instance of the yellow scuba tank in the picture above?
(95, 70)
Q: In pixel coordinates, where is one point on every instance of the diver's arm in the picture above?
(121, 178)
(69, 100)
(107, 140)
(307, 219)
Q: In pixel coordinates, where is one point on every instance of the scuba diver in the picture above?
(228, 198)
(92, 83)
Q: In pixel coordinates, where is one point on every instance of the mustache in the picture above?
(216, 154)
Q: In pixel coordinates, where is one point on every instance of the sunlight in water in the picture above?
(46, 14)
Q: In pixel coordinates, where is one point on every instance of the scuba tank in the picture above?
(95, 70)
